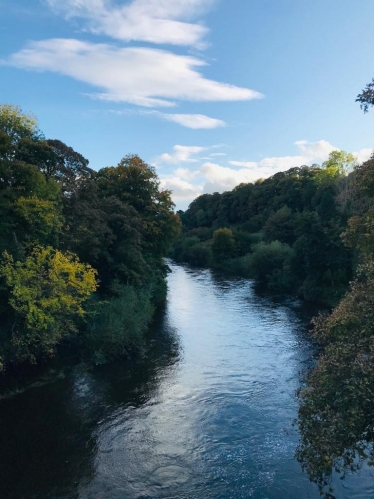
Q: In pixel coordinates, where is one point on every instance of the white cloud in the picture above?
(154, 21)
(222, 178)
(284, 162)
(182, 154)
(194, 121)
(363, 155)
(142, 76)
(312, 152)
(180, 188)
(316, 150)
(215, 154)
(185, 173)
(244, 164)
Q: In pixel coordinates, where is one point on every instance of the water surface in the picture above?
(206, 414)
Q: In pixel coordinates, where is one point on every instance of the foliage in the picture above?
(62, 225)
(337, 406)
(366, 97)
(305, 208)
(223, 245)
(17, 125)
(337, 411)
(269, 263)
(280, 226)
(116, 326)
(340, 161)
(47, 292)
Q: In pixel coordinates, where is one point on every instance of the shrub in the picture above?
(223, 246)
(269, 264)
(117, 325)
(46, 294)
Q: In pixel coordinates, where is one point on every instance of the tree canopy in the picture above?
(73, 239)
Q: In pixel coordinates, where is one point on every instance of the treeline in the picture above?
(284, 231)
(81, 251)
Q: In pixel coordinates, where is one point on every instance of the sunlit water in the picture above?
(206, 414)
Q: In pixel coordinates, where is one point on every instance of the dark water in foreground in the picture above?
(207, 414)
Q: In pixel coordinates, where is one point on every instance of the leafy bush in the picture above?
(223, 246)
(269, 263)
(336, 412)
(116, 326)
(46, 293)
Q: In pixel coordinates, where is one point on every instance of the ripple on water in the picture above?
(206, 415)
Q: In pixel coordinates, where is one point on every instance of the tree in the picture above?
(366, 97)
(280, 226)
(337, 405)
(135, 183)
(340, 162)
(17, 125)
(223, 244)
(46, 294)
(70, 169)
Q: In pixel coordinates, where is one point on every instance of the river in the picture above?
(207, 413)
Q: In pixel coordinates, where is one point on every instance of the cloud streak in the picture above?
(181, 154)
(143, 76)
(194, 121)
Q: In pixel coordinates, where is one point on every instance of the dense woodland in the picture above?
(309, 231)
(81, 251)
(284, 231)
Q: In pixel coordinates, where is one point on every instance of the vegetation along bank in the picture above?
(81, 251)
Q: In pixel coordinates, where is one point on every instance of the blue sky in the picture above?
(211, 92)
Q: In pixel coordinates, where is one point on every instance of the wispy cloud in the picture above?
(195, 121)
(181, 154)
(181, 189)
(363, 155)
(315, 150)
(244, 164)
(154, 21)
(312, 151)
(142, 76)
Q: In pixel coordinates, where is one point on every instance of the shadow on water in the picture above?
(47, 432)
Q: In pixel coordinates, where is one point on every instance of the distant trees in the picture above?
(297, 214)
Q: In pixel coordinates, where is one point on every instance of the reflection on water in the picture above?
(206, 414)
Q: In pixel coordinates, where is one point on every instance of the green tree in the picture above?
(223, 245)
(17, 125)
(46, 293)
(340, 162)
(280, 226)
(366, 97)
(136, 183)
(337, 405)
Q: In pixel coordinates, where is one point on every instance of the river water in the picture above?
(206, 414)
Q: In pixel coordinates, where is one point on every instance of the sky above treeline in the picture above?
(213, 93)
